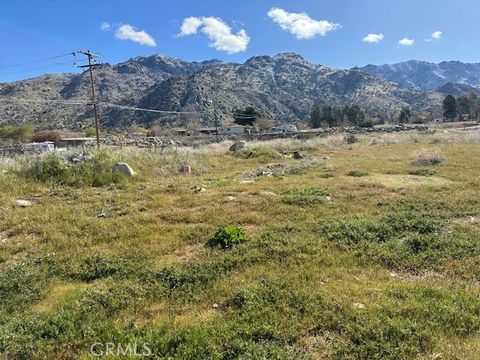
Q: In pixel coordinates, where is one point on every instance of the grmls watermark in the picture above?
(99, 349)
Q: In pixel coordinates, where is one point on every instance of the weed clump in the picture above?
(227, 237)
(357, 173)
(97, 170)
(426, 157)
(305, 196)
(255, 152)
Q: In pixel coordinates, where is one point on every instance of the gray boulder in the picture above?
(237, 146)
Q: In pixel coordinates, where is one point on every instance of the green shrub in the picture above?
(305, 196)
(255, 152)
(357, 173)
(350, 139)
(423, 172)
(226, 237)
(53, 168)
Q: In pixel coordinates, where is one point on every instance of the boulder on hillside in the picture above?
(237, 146)
(124, 169)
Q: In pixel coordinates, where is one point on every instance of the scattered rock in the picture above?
(297, 155)
(124, 169)
(393, 274)
(101, 215)
(23, 203)
(328, 198)
(198, 189)
(237, 146)
(326, 158)
(230, 198)
(359, 305)
(215, 306)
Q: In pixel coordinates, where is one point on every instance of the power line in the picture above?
(36, 61)
(153, 110)
(45, 101)
(40, 67)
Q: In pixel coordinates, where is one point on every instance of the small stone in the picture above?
(247, 182)
(326, 158)
(230, 198)
(23, 203)
(198, 189)
(215, 306)
(393, 274)
(237, 146)
(328, 198)
(359, 305)
(473, 220)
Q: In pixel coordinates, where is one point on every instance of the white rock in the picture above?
(124, 169)
(24, 203)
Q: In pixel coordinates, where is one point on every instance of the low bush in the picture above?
(357, 173)
(53, 168)
(227, 237)
(350, 139)
(427, 157)
(305, 196)
(254, 152)
(423, 172)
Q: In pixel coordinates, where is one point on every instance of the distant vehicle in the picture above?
(38, 148)
(284, 129)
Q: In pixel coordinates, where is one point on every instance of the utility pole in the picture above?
(91, 56)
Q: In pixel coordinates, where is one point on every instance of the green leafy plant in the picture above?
(227, 237)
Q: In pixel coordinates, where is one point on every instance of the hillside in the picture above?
(113, 83)
(457, 89)
(283, 87)
(427, 76)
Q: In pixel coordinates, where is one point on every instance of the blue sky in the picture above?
(330, 33)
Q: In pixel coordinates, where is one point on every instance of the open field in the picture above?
(368, 250)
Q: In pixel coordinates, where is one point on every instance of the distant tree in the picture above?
(404, 116)
(315, 117)
(450, 107)
(16, 132)
(353, 114)
(262, 124)
(329, 116)
(44, 135)
(90, 132)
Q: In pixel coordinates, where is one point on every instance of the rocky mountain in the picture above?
(457, 89)
(23, 101)
(283, 87)
(421, 75)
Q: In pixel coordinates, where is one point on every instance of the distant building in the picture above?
(234, 130)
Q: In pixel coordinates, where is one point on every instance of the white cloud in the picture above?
(220, 34)
(406, 42)
(129, 32)
(300, 24)
(373, 38)
(105, 26)
(437, 35)
(190, 26)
